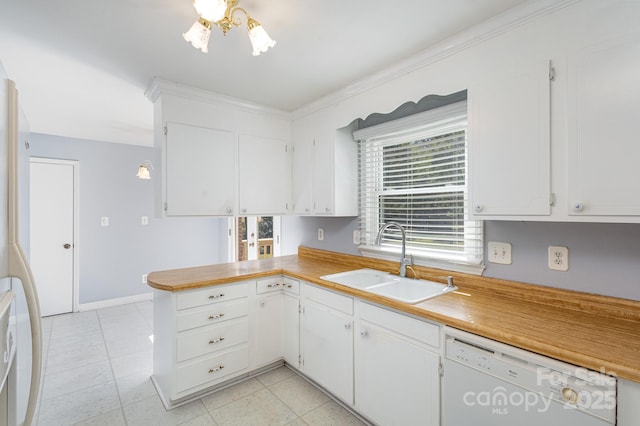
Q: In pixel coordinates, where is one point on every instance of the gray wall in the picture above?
(112, 259)
(603, 258)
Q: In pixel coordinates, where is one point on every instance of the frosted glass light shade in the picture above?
(211, 10)
(143, 172)
(198, 35)
(260, 40)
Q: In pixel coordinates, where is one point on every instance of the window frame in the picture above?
(424, 125)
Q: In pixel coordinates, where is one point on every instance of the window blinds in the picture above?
(413, 171)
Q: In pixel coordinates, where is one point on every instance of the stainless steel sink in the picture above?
(405, 290)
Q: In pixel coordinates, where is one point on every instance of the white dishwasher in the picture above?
(487, 383)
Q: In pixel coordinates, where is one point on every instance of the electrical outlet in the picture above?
(558, 258)
(144, 278)
(499, 252)
(144, 220)
(320, 234)
(104, 221)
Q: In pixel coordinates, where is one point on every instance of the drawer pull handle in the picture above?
(216, 316)
(216, 296)
(218, 340)
(273, 285)
(218, 368)
(289, 286)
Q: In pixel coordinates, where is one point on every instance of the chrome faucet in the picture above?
(404, 260)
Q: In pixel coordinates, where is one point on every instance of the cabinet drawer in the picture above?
(328, 298)
(269, 284)
(213, 294)
(213, 314)
(193, 343)
(211, 369)
(291, 285)
(422, 331)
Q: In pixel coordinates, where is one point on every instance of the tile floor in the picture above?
(96, 372)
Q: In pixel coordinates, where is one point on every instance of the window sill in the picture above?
(448, 264)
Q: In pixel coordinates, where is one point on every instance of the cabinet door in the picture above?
(509, 144)
(397, 382)
(291, 330)
(323, 174)
(268, 329)
(199, 171)
(327, 349)
(302, 172)
(604, 111)
(265, 180)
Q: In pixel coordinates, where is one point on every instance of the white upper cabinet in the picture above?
(509, 143)
(324, 168)
(604, 113)
(199, 171)
(216, 155)
(264, 176)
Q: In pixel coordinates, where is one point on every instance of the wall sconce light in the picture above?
(143, 170)
(222, 14)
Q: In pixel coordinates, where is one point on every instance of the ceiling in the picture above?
(82, 66)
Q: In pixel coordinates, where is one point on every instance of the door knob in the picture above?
(67, 246)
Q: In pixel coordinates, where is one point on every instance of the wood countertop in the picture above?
(597, 332)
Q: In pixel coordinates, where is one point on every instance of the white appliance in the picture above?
(22, 387)
(487, 383)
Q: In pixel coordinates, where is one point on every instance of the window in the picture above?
(414, 171)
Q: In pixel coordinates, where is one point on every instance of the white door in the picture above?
(52, 233)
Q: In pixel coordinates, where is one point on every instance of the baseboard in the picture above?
(109, 303)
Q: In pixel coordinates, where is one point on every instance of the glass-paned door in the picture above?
(257, 237)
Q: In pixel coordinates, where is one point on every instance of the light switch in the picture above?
(320, 234)
(144, 220)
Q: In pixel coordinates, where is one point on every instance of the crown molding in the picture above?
(493, 27)
(158, 87)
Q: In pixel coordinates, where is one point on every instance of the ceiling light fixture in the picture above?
(222, 14)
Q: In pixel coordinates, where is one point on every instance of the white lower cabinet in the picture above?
(388, 371)
(276, 331)
(267, 343)
(201, 338)
(397, 379)
(326, 340)
(628, 403)
(291, 329)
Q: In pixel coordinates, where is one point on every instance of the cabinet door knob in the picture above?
(229, 210)
(363, 333)
(67, 246)
(578, 206)
(478, 208)
(243, 210)
(347, 326)
(327, 209)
